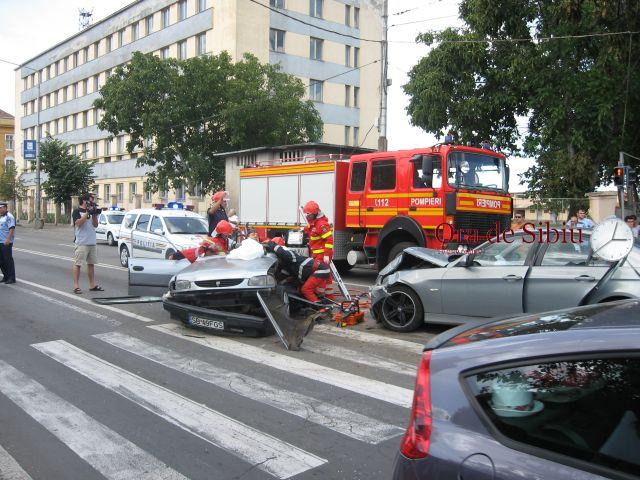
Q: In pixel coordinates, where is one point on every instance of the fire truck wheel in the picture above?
(343, 266)
(402, 310)
(397, 250)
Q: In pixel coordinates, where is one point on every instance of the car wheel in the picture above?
(168, 254)
(343, 266)
(124, 256)
(110, 241)
(402, 310)
(398, 248)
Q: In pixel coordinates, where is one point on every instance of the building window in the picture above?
(148, 194)
(74, 90)
(65, 64)
(120, 143)
(120, 37)
(108, 40)
(356, 97)
(315, 8)
(291, 156)
(182, 10)
(276, 40)
(86, 54)
(315, 90)
(164, 53)
(95, 149)
(9, 163)
(85, 149)
(133, 189)
(76, 59)
(347, 55)
(347, 95)
(135, 31)
(120, 191)
(347, 134)
(276, 3)
(356, 57)
(180, 193)
(246, 160)
(96, 50)
(356, 136)
(347, 15)
(202, 5)
(315, 48)
(96, 83)
(8, 141)
(149, 24)
(202, 43)
(107, 147)
(182, 50)
(356, 17)
(96, 116)
(85, 118)
(107, 194)
(166, 18)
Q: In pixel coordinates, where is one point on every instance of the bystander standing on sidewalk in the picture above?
(632, 221)
(7, 233)
(584, 221)
(85, 221)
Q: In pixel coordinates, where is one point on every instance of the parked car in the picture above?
(547, 397)
(109, 222)
(159, 232)
(500, 278)
(215, 292)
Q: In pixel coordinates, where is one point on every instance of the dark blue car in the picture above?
(550, 396)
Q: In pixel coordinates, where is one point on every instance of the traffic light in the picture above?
(618, 176)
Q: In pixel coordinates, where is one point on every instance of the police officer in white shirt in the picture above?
(7, 231)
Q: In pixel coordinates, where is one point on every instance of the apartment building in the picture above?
(7, 144)
(331, 45)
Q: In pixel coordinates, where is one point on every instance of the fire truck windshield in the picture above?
(474, 170)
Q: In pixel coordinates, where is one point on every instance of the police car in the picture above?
(159, 232)
(109, 222)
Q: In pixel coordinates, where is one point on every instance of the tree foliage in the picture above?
(11, 186)
(535, 59)
(183, 112)
(67, 174)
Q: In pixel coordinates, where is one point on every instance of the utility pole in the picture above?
(384, 50)
(621, 187)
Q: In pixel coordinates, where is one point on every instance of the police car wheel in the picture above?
(110, 241)
(402, 310)
(124, 256)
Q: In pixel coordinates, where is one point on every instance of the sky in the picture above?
(28, 27)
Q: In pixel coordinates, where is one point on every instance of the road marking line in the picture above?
(60, 257)
(66, 245)
(412, 347)
(84, 300)
(108, 452)
(348, 381)
(75, 308)
(341, 420)
(360, 357)
(266, 452)
(10, 469)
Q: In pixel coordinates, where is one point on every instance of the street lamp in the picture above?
(37, 221)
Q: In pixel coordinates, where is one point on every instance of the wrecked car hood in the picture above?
(437, 258)
(219, 267)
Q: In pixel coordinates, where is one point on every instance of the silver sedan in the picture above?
(426, 286)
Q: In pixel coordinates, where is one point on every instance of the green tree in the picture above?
(536, 59)
(11, 186)
(67, 174)
(183, 112)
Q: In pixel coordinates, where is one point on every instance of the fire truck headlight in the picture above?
(464, 167)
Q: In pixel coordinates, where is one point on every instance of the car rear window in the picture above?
(587, 409)
(115, 219)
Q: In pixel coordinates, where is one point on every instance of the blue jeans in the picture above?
(6, 261)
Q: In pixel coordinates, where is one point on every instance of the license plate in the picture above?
(206, 322)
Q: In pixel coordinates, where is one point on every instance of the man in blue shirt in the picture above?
(584, 221)
(7, 231)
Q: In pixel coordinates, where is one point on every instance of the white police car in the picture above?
(109, 222)
(159, 232)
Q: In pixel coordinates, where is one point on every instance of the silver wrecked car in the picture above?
(214, 292)
(499, 278)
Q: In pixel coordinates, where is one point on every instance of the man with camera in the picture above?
(85, 221)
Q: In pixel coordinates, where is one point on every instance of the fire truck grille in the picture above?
(482, 225)
(228, 282)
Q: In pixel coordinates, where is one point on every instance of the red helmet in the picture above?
(224, 227)
(218, 196)
(311, 208)
(279, 241)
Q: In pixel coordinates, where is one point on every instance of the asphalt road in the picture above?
(89, 391)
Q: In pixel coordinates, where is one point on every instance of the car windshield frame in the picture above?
(456, 178)
(176, 229)
(110, 219)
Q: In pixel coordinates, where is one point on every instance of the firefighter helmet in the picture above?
(278, 241)
(218, 196)
(311, 208)
(224, 227)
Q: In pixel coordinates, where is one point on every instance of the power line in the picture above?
(541, 39)
(402, 12)
(276, 10)
(422, 21)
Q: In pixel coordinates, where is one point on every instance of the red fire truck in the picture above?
(380, 203)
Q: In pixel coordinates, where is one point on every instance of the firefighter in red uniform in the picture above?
(311, 273)
(223, 231)
(320, 233)
(207, 247)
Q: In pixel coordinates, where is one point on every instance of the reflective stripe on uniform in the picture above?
(321, 250)
(328, 245)
(328, 234)
(315, 238)
(302, 266)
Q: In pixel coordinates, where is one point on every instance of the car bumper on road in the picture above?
(217, 321)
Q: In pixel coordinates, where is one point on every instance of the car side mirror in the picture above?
(158, 231)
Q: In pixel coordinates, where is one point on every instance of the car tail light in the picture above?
(417, 438)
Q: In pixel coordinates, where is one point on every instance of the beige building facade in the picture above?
(7, 140)
(333, 46)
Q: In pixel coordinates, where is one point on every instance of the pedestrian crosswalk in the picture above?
(105, 360)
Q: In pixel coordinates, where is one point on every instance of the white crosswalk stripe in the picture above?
(105, 450)
(10, 469)
(360, 385)
(265, 452)
(370, 338)
(342, 420)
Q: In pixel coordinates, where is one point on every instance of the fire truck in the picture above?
(445, 196)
